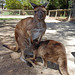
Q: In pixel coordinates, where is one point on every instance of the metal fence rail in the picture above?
(61, 13)
(51, 13)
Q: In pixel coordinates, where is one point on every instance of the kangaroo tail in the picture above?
(16, 49)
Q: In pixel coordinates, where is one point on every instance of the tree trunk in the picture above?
(73, 12)
(2, 5)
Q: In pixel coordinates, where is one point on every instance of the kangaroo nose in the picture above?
(40, 15)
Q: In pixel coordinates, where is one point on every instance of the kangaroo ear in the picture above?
(45, 5)
(33, 5)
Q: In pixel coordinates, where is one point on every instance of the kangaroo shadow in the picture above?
(49, 64)
(73, 53)
(53, 65)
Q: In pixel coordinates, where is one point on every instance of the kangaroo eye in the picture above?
(35, 11)
(44, 11)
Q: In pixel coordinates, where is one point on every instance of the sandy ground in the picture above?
(63, 32)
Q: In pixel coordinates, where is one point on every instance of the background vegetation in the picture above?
(24, 4)
(20, 4)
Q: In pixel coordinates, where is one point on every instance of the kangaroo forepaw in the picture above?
(23, 60)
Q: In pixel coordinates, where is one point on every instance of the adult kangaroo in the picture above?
(29, 29)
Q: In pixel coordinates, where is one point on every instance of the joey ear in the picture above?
(45, 5)
(33, 5)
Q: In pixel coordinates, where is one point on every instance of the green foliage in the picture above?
(58, 4)
(13, 4)
(25, 4)
(10, 18)
(5, 13)
(63, 4)
(63, 15)
(53, 4)
(9, 13)
(70, 3)
(20, 4)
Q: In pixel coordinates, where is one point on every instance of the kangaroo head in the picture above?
(39, 11)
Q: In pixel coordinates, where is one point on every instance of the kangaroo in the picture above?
(36, 26)
(53, 51)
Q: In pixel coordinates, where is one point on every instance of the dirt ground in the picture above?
(63, 32)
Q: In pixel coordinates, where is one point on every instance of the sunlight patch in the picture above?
(71, 42)
(51, 31)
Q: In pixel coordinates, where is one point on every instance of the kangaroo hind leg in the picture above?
(63, 66)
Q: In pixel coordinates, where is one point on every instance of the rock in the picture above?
(1, 58)
(15, 55)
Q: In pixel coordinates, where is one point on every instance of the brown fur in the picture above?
(26, 29)
(52, 51)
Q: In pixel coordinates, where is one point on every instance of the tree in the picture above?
(1, 3)
(20, 4)
(73, 12)
(70, 2)
(53, 4)
(63, 4)
(26, 3)
(58, 4)
(13, 4)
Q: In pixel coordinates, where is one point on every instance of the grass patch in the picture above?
(11, 18)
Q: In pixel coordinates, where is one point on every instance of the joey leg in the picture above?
(45, 63)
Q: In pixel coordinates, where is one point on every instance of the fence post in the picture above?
(49, 13)
(4, 21)
(69, 15)
(19, 12)
(64, 13)
(56, 14)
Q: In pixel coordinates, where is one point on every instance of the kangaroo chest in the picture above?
(38, 30)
